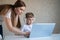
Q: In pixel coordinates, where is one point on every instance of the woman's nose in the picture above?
(21, 11)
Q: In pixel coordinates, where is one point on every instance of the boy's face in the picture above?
(29, 20)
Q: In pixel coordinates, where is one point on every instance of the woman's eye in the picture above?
(22, 9)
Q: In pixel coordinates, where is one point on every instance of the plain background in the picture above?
(45, 11)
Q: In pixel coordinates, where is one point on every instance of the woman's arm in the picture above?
(11, 28)
(15, 21)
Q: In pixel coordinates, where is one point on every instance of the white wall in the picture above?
(44, 11)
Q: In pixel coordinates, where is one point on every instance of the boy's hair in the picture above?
(29, 15)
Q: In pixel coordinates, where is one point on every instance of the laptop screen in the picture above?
(42, 29)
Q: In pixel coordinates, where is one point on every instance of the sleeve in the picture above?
(8, 14)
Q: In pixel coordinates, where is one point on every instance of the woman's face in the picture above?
(19, 10)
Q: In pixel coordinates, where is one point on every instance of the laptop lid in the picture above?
(42, 30)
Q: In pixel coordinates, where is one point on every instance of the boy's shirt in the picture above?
(27, 28)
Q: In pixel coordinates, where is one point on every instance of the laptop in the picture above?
(42, 30)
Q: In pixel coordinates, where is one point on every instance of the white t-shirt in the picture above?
(6, 32)
(26, 28)
(8, 14)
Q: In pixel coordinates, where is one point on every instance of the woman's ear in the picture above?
(14, 8)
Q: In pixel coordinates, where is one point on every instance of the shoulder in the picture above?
(8, 14)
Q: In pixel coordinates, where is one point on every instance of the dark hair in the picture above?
(19, 3)
(29, 15)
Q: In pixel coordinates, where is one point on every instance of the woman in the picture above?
(11, 14)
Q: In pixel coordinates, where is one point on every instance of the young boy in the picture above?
(29, 21)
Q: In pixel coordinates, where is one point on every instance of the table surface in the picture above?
(53, 37)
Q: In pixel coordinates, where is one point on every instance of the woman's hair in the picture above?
(19, 3)
(29, 15)
(4, 9)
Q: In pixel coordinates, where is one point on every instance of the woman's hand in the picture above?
(27, 34)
